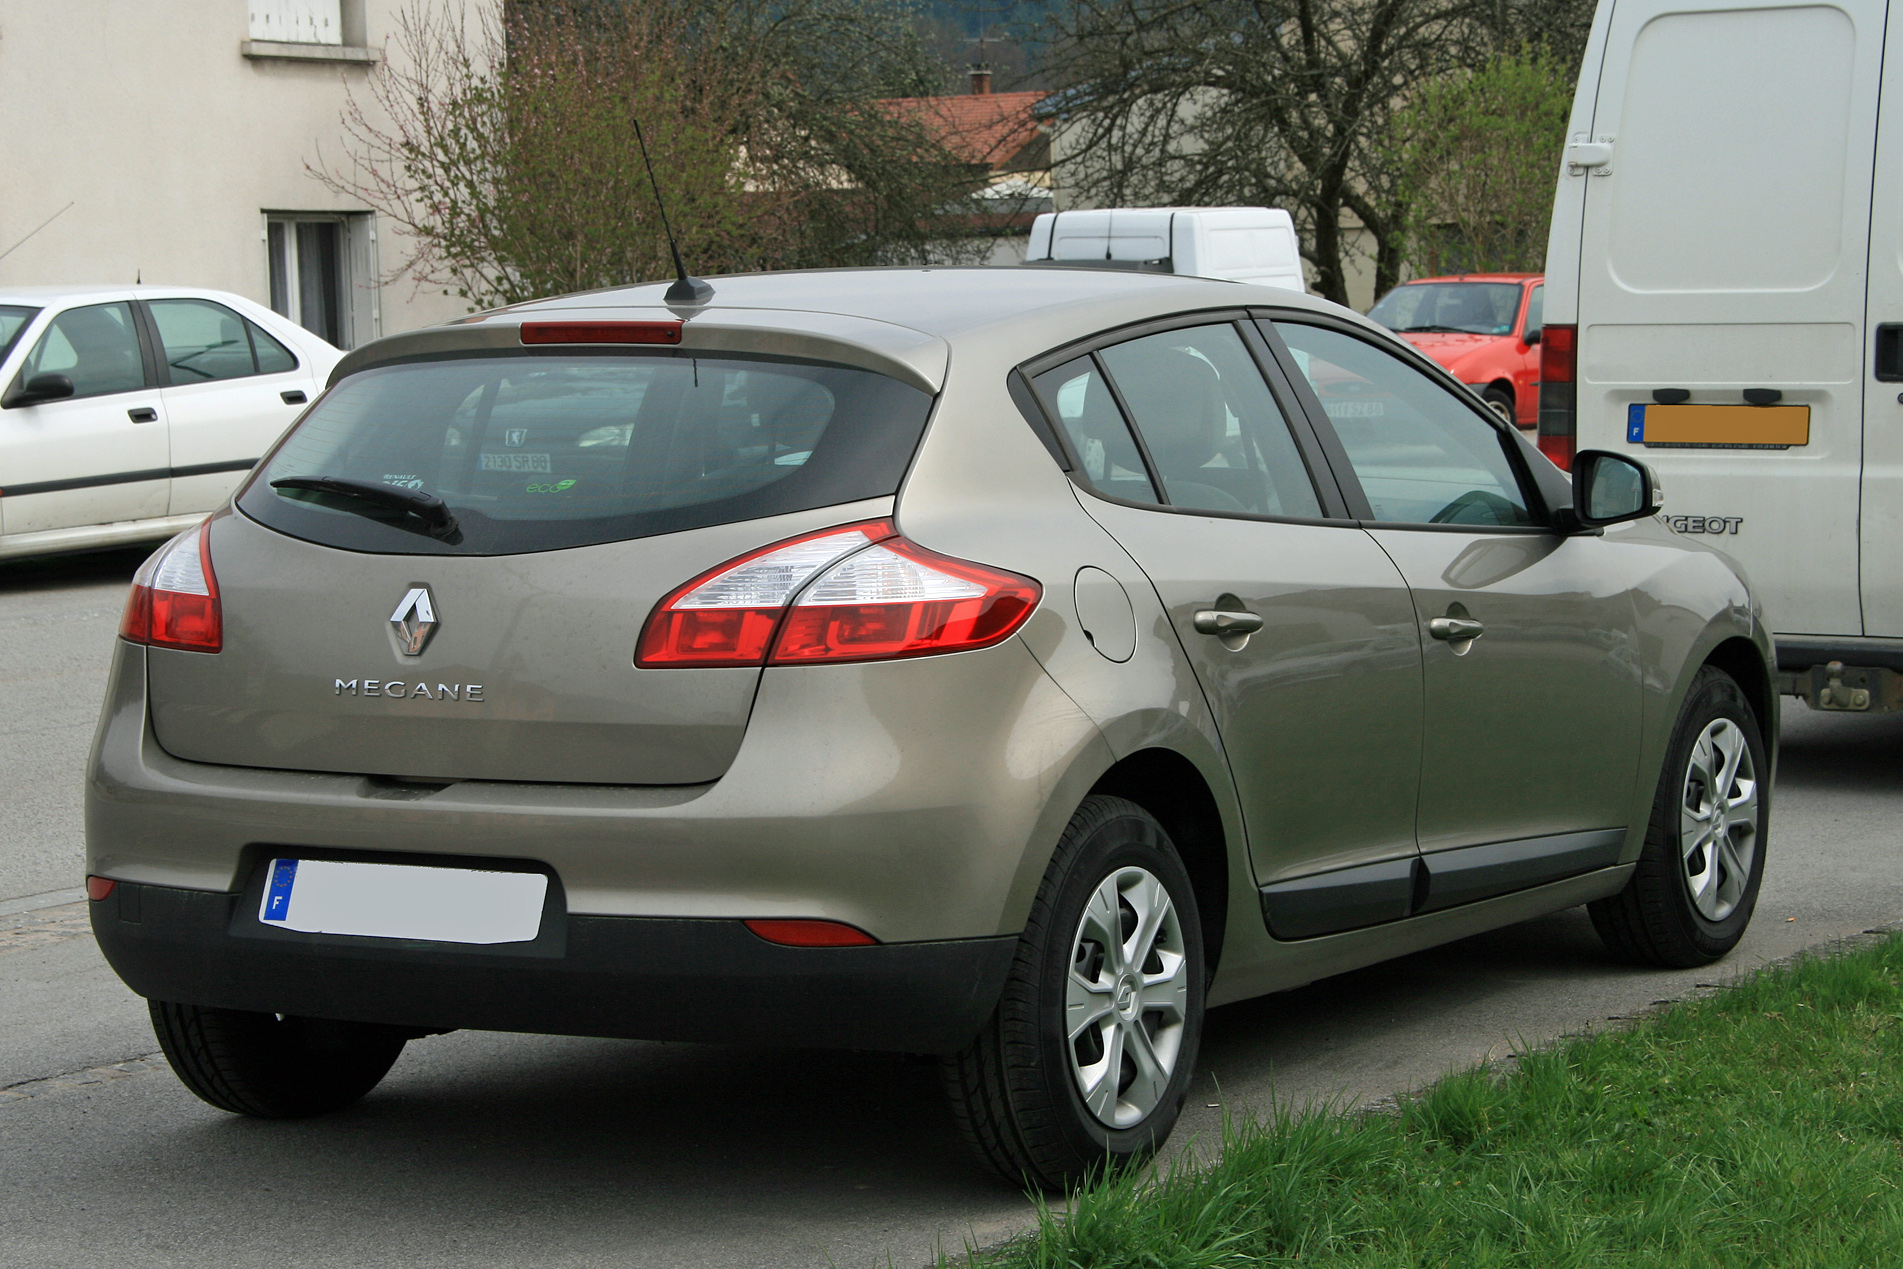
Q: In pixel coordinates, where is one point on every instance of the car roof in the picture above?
(1478, 277)
(44, 295)
(897, 320)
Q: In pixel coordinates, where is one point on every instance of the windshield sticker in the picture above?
(492, 461)
(405, 480)
(560, 486)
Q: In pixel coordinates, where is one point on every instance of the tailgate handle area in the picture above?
(1888, 362)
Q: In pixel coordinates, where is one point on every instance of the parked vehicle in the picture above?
(1238, 244)
(999, 664)
(1740, 331)
(1482, 328)
(129, 412)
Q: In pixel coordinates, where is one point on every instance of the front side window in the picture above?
(13, 320)
(1422, 456)
(95, 346)
(202, 341)
(1473, 308)
(1535, 310)
(534, 453)
(1080, 398)
(1217, 438)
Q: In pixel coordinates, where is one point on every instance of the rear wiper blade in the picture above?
(426, 507)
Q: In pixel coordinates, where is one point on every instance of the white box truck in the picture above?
(1724, 299)
(1239, 244)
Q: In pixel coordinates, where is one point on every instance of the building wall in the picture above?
(170, 145)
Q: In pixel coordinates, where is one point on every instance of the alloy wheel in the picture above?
(1718, 819)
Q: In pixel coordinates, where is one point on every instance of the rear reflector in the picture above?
(174, 599)
(601, 332)
(811, 933)
(1559, 393)
(98, 888)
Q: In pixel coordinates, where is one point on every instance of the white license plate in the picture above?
(401, 901)
(514, 462)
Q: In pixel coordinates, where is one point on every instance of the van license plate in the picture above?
(401, 901)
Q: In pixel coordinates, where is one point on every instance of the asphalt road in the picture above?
(497, 1150)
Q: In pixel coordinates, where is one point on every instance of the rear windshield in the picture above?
(535, 453)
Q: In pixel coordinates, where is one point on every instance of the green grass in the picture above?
(1760, 1126)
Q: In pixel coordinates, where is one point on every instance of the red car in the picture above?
(1484, 328)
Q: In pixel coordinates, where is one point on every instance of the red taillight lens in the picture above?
(896, 599)
(811, 933)
(98, 888)
(1559, 449)
(1558, 347)
(601, 332)
(174, 599)
(727, 616)
(1559, 393)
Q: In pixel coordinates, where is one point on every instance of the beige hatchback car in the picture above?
(1006, 665)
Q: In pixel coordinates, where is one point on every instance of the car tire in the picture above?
(1691, 896)
(1501, 402)
(272, 1067)
(1049, 1110)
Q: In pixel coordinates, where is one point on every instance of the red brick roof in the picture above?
(987, 128)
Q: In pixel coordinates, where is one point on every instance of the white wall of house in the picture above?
(163, 139)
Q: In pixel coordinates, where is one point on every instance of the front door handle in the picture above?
(1219, 621)
(1455, 629)
(143, 414)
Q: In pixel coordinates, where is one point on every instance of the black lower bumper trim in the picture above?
(644, 978)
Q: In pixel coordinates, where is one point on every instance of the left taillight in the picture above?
(174, 599)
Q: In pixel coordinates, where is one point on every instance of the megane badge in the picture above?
(415, 621)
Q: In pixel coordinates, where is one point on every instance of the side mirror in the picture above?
(40, 388)
(1532, 336)
(1611, 488)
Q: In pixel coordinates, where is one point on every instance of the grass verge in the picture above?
(1759, 1126)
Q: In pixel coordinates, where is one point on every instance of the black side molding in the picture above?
(1373, 894)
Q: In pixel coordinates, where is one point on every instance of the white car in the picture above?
(127, 413)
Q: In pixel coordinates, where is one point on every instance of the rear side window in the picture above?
(535, 453)
(202, 341)
(1077, 394)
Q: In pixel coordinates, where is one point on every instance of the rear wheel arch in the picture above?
(1170, 787)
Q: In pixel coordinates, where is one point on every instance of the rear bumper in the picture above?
(634, 977)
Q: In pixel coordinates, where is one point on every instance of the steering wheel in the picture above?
(1488, 508)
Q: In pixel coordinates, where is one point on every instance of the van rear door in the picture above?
(1723, 249)
(1882, 521)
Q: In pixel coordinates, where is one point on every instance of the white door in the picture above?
(1882, 553)
(1723, 250)
(96, 457)
(233, 390)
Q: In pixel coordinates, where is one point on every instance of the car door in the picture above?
(98, 456)
(231, 390)
(1531, 661)
(1312, 669)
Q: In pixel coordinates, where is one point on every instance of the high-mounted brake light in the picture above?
(1559, 393)
(601, 332)
(809, 933)
(727, 616)
(854, 593)
(174, 599)
(896, 599)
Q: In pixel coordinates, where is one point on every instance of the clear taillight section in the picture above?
(174, 599)
(855, 593)
(728, 616)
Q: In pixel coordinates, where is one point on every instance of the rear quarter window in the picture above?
(541, 452)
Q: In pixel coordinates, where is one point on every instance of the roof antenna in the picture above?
(686, 290)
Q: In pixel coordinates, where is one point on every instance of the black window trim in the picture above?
(1530, 487)
(1336, 512)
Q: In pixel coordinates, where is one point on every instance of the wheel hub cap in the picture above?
(1718, 819)
(1126, 997)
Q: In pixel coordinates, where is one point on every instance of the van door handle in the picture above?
(292, 396)
(143, 414)
(1217, 621)
(1455, 629)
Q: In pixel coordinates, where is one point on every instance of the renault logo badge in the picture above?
(415, 621)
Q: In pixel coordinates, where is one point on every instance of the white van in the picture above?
(1239, 244)
(1724, 297)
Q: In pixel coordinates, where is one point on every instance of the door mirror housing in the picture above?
(40, 388)
(1611, 488)
(1532, 336)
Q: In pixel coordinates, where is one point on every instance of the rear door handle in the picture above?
(1455, 629)
(143, 414)
(1218, 621)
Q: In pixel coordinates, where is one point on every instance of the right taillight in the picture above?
(854, 593)
(1559, 393)
(174, 599)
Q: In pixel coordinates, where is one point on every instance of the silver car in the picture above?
(1006, 665)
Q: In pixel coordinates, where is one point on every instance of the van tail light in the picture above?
(1559, 393)
(727, 616)
(854, 593)
(174, 599)
(896, 599)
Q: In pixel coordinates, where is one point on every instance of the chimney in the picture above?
(980, 80)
